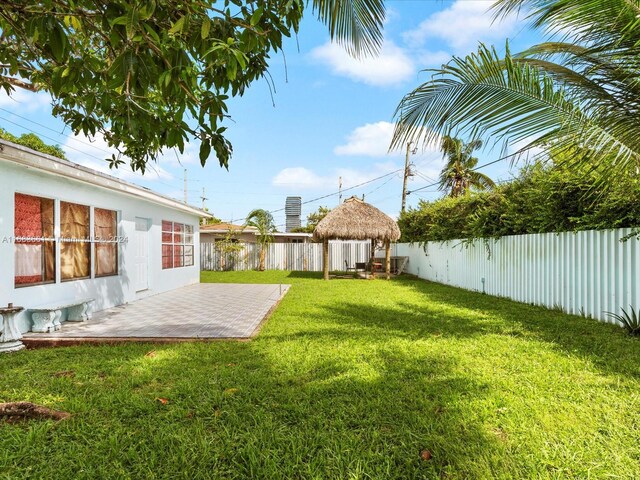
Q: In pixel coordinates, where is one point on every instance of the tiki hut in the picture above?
(356, 220)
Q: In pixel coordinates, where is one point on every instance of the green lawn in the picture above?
(348, 379)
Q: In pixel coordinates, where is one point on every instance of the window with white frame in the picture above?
(105, 232)
(35, 241)
(177, 245)
(35, 246)
(75, 241)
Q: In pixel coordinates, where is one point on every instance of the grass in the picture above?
(348, 379)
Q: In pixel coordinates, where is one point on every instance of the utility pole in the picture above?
(203, 199)
(340, 190)
(186, 198)
(407, 173)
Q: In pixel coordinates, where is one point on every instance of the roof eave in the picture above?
(64, 168)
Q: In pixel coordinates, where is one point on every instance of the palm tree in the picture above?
(458, 175)
(356, 24)
(580, 95)
(263, 221)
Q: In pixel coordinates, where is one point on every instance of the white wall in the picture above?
(107, 291)
(585, 273)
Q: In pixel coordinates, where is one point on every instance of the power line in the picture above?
(51, 130)
(126, 167)
(472, 170)
(378, 187)
(332, 194)
(424, 177)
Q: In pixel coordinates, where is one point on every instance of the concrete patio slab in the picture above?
(200, 311)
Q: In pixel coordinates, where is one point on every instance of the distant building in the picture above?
(293, 211)
(218, 231)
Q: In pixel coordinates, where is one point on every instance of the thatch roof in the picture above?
(357, 220)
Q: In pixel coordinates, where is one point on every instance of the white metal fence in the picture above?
(585, 273)
(285, 256)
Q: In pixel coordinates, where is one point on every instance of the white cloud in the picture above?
(462, 26)
(427, 58)
(352, 177)
(371, 140)
(529, 154)
(174, 158)
(392, 67)
(374, 139)
(25, 101)
(92, 152)
(301, 178)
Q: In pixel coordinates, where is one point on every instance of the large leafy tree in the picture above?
(579, 94)
(154, 74)
(459, 176)
(31, 140)
(263, 222)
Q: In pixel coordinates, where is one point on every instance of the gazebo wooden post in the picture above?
(325, 258)
(387, 257)
(373, 258)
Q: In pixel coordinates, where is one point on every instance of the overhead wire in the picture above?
(334, 193)
(473, 170)
(126, 167)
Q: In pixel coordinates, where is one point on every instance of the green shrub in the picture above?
(543, 198)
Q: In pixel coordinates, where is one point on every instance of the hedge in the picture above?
(543, 198)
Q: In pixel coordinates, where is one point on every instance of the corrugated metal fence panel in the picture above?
(584, 273)
(285, 256)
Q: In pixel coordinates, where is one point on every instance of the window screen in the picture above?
(34, 243)
(75, 247)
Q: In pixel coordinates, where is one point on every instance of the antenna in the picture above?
(339, 190)
(203, 199)
(186, 198)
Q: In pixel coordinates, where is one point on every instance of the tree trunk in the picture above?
(325, 258)
(262, 255)
(15, 411)
(373, 258)
(387, 257)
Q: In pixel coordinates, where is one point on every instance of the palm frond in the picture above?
(511, 100)
(482, 181)
(587, 22)
(355, 24)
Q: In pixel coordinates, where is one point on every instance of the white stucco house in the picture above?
(69, 232)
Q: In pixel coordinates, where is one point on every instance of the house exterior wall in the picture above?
(212, 237)
(250, 237)
(107, 291)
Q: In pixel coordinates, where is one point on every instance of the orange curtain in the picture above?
(105, 226)
(75, 249)
(35, 250)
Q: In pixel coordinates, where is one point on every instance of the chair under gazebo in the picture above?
(356, 220)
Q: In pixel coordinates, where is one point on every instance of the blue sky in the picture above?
(332, 118)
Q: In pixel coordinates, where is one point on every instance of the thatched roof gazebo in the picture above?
(356, 220)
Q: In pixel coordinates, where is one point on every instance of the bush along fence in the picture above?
(589, 273)
(284, 256)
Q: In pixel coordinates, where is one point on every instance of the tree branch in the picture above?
(19, 83)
